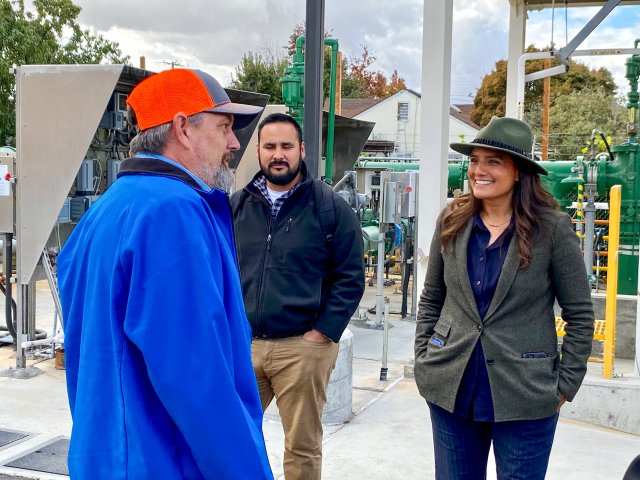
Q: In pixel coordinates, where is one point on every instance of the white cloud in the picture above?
(214, 35)
(479, 40)
(618, 30)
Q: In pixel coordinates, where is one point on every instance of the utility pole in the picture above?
(546, 100)
(339, 85)
(173, 63)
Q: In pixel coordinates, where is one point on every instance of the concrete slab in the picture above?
(608, 403)
(389, 436)
(392, 439)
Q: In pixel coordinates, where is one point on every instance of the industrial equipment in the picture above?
(360, 184)
(589, 178)
(592, 177)
(47, 185)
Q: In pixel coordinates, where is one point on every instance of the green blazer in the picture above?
(520, 320)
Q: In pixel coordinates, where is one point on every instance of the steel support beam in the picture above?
(591, 25)
(517, 24)
(314, 62)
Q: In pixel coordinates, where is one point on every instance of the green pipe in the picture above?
(457, 175)
(368, 163)
(633, 71)
(371, 234)
(293, 94)
(333, 43)
(293, 84)
(299, 49)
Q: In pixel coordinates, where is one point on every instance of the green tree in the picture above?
(47, 34)
(260, 73)
(358, 78)
(299, 30)
(575, 115)
(490, 98)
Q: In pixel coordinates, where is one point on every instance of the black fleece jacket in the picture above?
(293, 280)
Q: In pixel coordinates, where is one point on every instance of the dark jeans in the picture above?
(521, 448)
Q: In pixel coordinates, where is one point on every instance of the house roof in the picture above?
(463, 113)
(355, 106)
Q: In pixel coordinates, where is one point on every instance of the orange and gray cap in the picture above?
(158, 98)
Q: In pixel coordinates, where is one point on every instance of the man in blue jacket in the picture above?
(301, 261)
(157, 342)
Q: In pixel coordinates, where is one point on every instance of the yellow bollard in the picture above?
(612, 281)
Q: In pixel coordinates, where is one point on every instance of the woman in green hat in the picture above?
(486, 355)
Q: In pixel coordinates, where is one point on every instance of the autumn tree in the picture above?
(359, 81)
(48, 33)
(490, 98)
(261, 72)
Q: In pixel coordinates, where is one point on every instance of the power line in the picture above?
(173, 63)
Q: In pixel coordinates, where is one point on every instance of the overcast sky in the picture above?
(214, 35)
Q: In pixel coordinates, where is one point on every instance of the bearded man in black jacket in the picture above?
(300, 282)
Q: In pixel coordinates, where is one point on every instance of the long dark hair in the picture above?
(530, 200)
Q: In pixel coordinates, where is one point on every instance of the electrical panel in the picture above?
(65, 212)
(368, 181)
(114, 116)
(389, 204)
(112, 121)
(7, 169)
(406, 189)
(108, 149)
(85, 181)
(78, 206)
(113, 167)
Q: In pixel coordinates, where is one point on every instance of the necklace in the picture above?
(499, 224)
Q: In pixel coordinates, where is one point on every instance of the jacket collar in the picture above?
(152, 166)
(509, 270)
(461, 264)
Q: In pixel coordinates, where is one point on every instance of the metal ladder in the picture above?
(53, 285)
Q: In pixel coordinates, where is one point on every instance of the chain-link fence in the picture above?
(567, 146)
(600, 238)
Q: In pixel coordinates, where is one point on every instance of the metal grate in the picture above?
(7, 437)
(48, 458)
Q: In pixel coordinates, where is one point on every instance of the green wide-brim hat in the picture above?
(507, 135)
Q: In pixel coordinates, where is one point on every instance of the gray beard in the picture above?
(224, 180)
(221, 177)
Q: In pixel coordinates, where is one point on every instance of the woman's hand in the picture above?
(563, 398)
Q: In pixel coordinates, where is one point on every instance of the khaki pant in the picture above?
(297, 373)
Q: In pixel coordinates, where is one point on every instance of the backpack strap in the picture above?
(325, 209)
(238, 199)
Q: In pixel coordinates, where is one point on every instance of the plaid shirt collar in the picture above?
(261, 184)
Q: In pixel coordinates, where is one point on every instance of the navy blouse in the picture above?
(484, 265)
